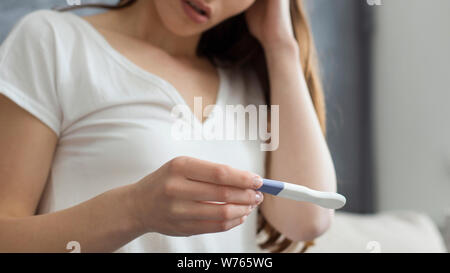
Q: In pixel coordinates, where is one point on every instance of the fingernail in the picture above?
(257, 181)
(259, 197)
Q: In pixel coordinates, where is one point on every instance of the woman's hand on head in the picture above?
(270, 22)
(177, 199)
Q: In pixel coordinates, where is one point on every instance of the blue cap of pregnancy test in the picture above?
(271, 186)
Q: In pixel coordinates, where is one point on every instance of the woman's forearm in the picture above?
(102, 224)
(302, 156)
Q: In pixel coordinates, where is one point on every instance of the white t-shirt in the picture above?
(114, 121)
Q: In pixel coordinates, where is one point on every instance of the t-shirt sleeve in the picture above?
(28, 69)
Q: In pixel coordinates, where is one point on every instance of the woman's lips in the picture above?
(196, 10)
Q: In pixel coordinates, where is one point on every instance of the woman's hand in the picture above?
(176, 199)
(270, 22)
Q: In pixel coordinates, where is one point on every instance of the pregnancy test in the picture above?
(330, 200)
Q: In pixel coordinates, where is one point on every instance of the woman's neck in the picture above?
(142, 21)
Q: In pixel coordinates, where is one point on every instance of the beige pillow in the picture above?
(397, 231)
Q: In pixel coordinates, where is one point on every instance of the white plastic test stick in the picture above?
(330, 200)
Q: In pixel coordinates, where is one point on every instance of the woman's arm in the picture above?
(27, 145)
(102, 224)
(168, 201)
(302, 156)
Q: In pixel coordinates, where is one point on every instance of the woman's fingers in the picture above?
(180, 198)
(193, 210)
(204, 171)
(200, 191)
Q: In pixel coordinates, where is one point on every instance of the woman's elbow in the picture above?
(314, 227)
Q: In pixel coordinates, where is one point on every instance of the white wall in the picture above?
(412, 106)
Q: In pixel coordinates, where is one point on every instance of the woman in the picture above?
(85, 118)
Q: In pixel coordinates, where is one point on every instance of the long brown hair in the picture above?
(231, 44)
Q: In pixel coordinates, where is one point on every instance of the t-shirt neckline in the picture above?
(172, 92)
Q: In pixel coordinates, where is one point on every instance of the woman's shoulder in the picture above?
(41, 25)
(43, 32)
(39, 22)
(29, 34)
